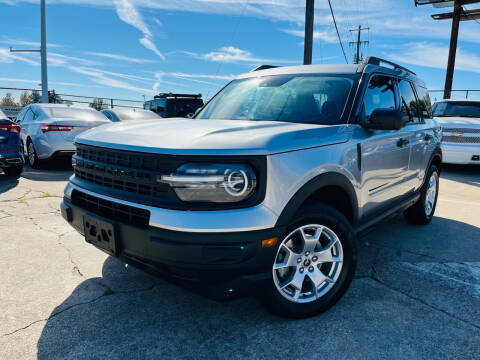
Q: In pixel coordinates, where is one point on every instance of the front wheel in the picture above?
(315, 263)
(421, 213)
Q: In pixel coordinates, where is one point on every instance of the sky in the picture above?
(134, 48)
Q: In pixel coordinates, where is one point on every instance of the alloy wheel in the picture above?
(431, 194)
(309, 261)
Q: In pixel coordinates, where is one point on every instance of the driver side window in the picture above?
(380, 94)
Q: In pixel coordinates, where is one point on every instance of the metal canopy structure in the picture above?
(458, 14)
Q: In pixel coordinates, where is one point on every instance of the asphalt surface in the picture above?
(416, 294)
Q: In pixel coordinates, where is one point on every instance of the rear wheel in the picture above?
(315, 263)
(13, 171)
(32, 157)
(421, 213)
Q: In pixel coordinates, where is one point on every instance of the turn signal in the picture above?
(268, 243)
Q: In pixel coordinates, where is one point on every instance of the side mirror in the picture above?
(386, 119)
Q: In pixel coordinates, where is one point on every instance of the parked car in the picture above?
(460, 121)
(126, 114)
(11, 159)
(49, 130)
(169, 105)
(269, 183)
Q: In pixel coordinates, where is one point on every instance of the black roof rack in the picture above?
(372, 60)
(172, 95)
(263, 67)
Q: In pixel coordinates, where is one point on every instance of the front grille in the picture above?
(125, 171)
(108, 209)
(462, 130)
(462, 139)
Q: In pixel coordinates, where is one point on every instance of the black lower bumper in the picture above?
(216, 258)
(11, 161)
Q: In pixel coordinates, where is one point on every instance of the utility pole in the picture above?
(42, 51)
(308, 44)
(458, 14)
(357, 58)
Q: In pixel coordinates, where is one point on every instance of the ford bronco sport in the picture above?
(270, 182)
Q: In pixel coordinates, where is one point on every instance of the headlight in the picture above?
(217, 183)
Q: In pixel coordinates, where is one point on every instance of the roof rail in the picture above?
(372, 60)
(263, 67)
(172, 95)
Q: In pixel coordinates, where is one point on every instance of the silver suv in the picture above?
(270, 182)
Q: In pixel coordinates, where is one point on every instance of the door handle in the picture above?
(428, 137)
(402, 142)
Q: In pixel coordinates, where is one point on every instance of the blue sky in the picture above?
(130, 48)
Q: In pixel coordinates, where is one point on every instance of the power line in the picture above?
(338, 33)
(357, 58)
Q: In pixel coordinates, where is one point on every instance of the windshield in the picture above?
(457, 108)
(74, 113)
(136, 115)
(299, 98)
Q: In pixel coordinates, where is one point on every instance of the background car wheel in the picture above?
(32, 158)
(13, 171)
(421, 213)
(315, 263)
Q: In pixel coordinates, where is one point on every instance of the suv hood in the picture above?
(455, 122)
(212, 137)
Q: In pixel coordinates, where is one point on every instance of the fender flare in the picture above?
(308, 189)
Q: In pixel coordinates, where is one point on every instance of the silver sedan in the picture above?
(49, 130)
(126, 114)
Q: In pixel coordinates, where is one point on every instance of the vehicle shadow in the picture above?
(58, 171)
(467, 174)
(7, 182)
(144, 317)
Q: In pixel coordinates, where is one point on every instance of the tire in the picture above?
(32, 157)
(421, 213)
(13, 171)
(331, 236)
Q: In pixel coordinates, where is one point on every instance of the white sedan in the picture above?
(460, 122)
(49, 130)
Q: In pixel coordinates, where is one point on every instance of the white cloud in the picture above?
(231, 54)
(435, 56)
(324, 36)
(8, 57)
(33, 44)
(108, 79)
(119, 57)
(128, 13)
(37, 82)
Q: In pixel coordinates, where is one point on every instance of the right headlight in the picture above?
(216, 183)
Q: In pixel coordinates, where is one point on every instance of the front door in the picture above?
(385, 153)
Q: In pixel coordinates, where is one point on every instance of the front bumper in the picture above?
(233, 259)
(461, 153)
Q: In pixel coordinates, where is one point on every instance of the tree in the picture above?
(35, 97)
(8, 100)
(97, 104)
(25, 99)
(54, 98)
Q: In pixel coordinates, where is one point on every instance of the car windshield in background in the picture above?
(136, 115)
(71, 113)
(457, 108)
(299, 98)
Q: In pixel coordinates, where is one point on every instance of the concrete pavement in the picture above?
(416, 294)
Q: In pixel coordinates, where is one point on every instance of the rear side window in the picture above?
(29, 116)
(408, 101)
(424, 103)
(380, 94)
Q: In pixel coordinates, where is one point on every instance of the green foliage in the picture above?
(97, 104)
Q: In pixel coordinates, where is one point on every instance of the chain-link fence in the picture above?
(13, 96)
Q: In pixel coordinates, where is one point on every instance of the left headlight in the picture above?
(216, 183)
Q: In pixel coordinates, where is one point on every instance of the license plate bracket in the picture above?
(100, 233)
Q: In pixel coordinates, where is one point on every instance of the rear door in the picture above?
(384, 153)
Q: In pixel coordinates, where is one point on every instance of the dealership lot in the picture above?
(416, 294)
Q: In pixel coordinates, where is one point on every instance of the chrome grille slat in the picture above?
(462, 139)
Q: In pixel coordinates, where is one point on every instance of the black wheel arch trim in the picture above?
(313, 185)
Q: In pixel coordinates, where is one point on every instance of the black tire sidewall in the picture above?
(333, 219)
(35, 158)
